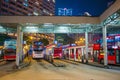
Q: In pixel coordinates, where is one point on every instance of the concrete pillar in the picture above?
(19, 46)
(86, 46)
(75, 54)
(105, 45)
(69, 54)
(82, 49)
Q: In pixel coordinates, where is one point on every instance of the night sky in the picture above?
(94, 7)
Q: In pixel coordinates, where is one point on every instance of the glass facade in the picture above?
(53, 7)
(26, 7)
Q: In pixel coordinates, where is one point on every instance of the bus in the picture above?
(113, 56)
(49, 52)
(38, 50)
(53, 52)
(113, 49)
(74, 53)
(57, 52)
(9, 49)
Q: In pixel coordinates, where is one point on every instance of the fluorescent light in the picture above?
(31, 27)
(1, 26)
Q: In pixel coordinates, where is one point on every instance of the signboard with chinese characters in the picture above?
(96, 46)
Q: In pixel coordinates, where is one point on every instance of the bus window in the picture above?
(118, 56)
(111, 52)
(72, 50)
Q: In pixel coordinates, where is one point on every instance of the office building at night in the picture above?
(27, 7)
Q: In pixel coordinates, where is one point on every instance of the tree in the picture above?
(64, 39)
(27, 39)
(3, 37)
(44, 41)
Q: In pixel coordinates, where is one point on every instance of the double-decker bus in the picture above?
(38, 50)
(113, 50)
(9, 49)
(113, 55)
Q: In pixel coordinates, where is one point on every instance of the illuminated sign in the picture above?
(96, 46)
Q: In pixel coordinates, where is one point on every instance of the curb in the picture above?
(22, 65)
(101, 66)
(1, 60)
(105, 67)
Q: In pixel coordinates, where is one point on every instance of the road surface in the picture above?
(42, 70)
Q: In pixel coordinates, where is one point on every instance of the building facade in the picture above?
(27, 7)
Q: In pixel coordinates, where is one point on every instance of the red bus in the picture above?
(52, 50)
(9, 49)
(113, 54)
(57, 53)
(113, 50)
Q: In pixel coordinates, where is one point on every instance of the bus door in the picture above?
(76, 53)
(72, 53)
(111, 56)
(79, 55)
(67, 54)
(118, 56)
(95, 55)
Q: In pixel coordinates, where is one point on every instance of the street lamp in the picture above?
(31, 37)
(81, 41)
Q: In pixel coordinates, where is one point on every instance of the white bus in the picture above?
(38, 50)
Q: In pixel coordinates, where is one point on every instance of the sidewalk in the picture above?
(96, 64)
(1, 60)
(26, 62)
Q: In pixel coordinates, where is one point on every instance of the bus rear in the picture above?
(57, 53)
(9, 50)
(113, 56)
(37, 50)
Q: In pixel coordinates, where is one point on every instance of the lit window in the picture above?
(25, 4)
(35, 13)
(6, 0)
(54, 1)
(37, 2)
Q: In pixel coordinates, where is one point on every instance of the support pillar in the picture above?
(21, 46)
(82, 49)
(69, 54)
(75, 54)
(19, 49)
(86, 46)
(105, 45)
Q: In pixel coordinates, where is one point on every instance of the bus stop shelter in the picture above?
(108, 22)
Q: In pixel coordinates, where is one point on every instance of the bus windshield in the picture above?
(38, 46)
(111, 52)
